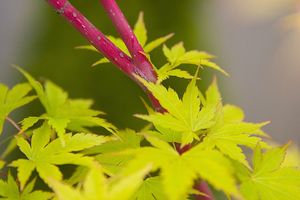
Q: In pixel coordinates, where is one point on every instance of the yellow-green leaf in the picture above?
(269, 180)
(97, 186)
(43, 154)
(140, 30)
(12, 99)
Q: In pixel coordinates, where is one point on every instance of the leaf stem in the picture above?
(15, 124)
(203, 187)
(12, 122)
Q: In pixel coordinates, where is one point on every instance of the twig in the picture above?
(12, 122)
(20, 131)
(94, 36)
(130, 40)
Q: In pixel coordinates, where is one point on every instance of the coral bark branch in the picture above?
(94, 36)
(130, 40)
(106, 47)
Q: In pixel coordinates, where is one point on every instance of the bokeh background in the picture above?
(256, 41)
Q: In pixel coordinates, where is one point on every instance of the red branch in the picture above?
(94, 36)
(129, 38)
(138, 64)
(107, 48)
(203, 187)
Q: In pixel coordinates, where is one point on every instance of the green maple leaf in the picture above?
(13, 99)
(177, 56)
(43, 154)
(230, 132)
(141, 34)
(167, 71)
(63, 113)
(269, 180)
(10, 191)
(194, 116)
(106, 154)
(196, 163)
(96, 186)
(151, 189)
(126, 139)
(187, 116)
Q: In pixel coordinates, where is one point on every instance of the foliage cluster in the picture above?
(149, 164)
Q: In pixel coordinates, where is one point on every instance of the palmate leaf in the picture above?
(63, 113)
(44, 155)
(230, 132)
(140, 32)
(177, 55)
(10, 191)
(269, 180)
(96, 186)
(183, 169)
(196, 116)
(187, 116)
(13, 99)
(167, 70)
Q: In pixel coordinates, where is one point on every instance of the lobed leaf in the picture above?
(269, 180)
(9, 190)
(43, 154)
(177, 56)
(96, 186)
(183, 169)
(187, 116)
(12, 99)
(63, 113)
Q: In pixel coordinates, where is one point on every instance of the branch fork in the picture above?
(137, 64)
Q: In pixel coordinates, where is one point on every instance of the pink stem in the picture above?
(94, 36)
(130, 40)
(203, 187)
(183, 149)
(104, 45)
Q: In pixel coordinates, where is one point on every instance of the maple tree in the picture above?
(192, 144)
